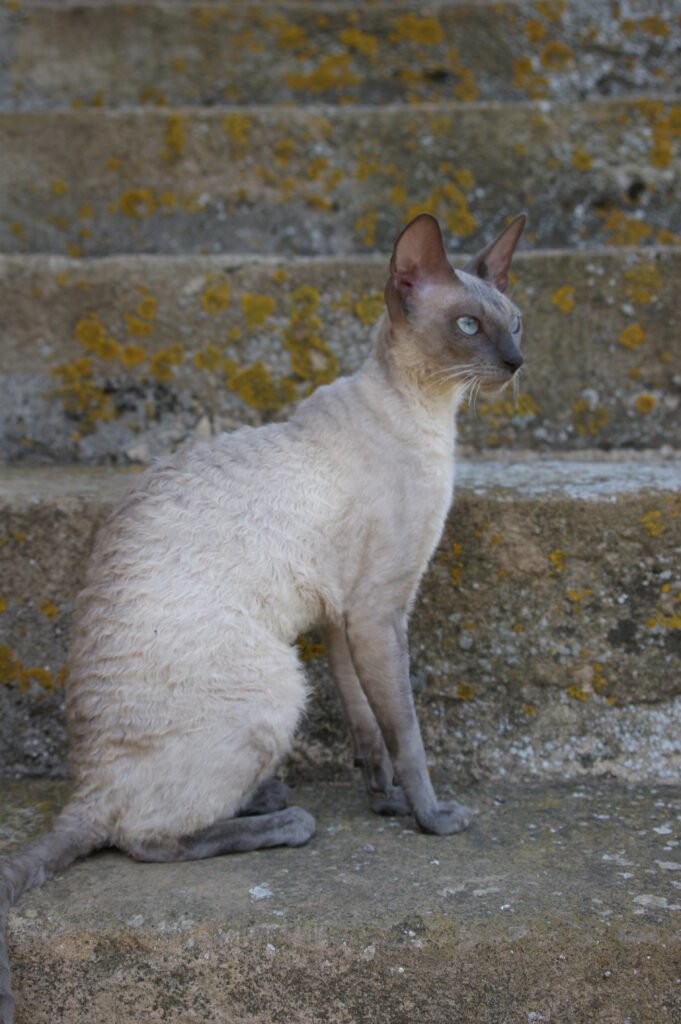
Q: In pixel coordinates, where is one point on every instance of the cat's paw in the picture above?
(297, 826)
(392, 803)
(449, 818)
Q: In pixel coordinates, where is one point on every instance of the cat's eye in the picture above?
(468, 324)
(515, 325)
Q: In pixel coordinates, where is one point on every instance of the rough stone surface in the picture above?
(332, 179)
(159, 54)
(120, 359)
(560, 905)
(544, 642)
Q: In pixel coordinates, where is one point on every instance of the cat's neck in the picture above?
(407, 388)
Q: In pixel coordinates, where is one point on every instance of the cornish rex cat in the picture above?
(184, 686)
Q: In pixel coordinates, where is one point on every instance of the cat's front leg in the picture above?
(371, 754)
(380, 654)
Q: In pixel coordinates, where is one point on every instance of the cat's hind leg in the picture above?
(292, 826)
(273, 795)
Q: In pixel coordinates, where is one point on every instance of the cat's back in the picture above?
(244, 515)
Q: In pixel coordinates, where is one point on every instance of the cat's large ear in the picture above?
(418, 259)
(492, 262)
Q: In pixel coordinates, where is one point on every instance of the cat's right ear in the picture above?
(418, 259)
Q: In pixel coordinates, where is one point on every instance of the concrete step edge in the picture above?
(236, 259)
(558, 904)
(577, 475)
(350, 112)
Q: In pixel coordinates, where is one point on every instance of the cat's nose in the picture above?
(513, 363)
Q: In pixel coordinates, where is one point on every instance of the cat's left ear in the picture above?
(492, 262)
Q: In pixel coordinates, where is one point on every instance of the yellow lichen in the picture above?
(256, 388)
(132, 355)
(209, 358)
(365, 227)
(466, 88)
(175, 138)
(12, 672)
(369, 307)
(3, 604)
(588, 421)
(623, 230)
(464, 178)
(91, 334)
(577, 693)
(137, 202)
(632, 336)
(413, 28)
(49, 610)
(311, 358)
(215, 297)
(137, 328)
(527, 79)
(80, 395)
(535, 30)
(291, 37)
(153, 95)
(464, 691)
(360, 41)
(58, 187)
(653, 24)
(257, 309)
(237, 128)
(162, 362)
(645, 403)
(556, 56)
(643, 282)
(147, 307)
(558, 560)
(581, 160)
(652, 523)
(332, 72)
(530, 709)
(550, 10)
(564, 298)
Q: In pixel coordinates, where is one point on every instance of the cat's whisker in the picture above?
(443, 374)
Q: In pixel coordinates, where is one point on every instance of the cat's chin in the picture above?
(495, 386)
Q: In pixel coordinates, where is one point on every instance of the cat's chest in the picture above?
(401, 515)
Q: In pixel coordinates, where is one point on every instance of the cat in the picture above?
(184, 688)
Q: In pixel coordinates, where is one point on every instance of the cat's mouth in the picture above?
(496, 378)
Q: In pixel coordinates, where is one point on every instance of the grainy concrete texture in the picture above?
(335, 179)
(544, 641)
(120, 359)
(559, 905)
(161, 54)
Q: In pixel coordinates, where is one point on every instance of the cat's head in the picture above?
(459, 322)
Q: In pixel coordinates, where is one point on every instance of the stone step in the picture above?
(558, 905)
(159, 54)
(122, 358)
(330, 180)
(545, 641)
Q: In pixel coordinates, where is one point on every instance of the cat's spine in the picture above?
(72, 836)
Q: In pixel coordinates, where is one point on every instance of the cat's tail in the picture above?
(73, 835)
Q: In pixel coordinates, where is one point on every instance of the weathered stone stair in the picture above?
(196, 205)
